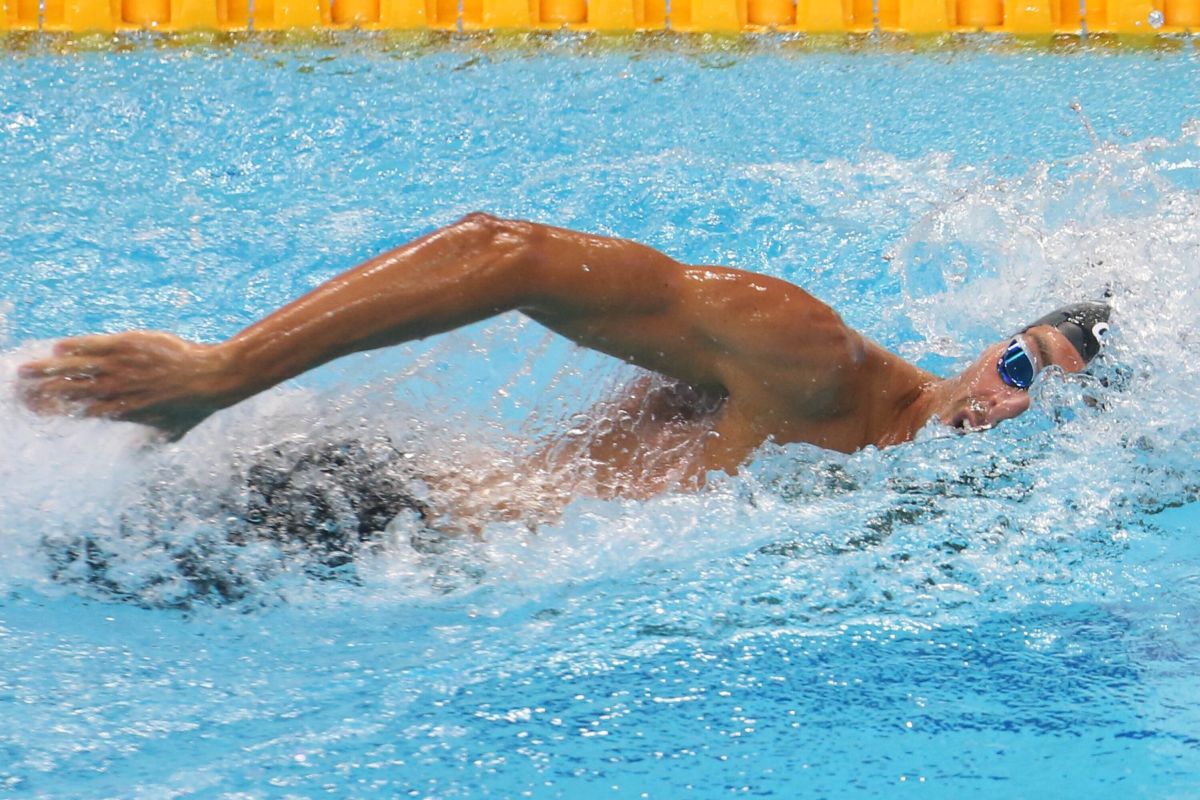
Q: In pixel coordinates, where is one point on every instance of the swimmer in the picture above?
(744, 357)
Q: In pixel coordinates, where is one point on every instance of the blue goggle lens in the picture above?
(1015, 366)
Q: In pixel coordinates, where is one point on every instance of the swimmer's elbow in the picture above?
(506, 256)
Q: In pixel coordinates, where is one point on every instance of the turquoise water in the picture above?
(1010, 614)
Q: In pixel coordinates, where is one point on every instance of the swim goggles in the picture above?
(1016, 366)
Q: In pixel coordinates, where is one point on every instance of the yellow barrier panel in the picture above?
(680, 16)
(355, 12)
(976, 14)
(654, 14)
(1182, 13)
(191, 15)
(925, 16)
(821, 16)
(291, 14)
(234, 14)
(445, 13)
(771, 12)
(862, 12)
(26, 14)
(1070, 17)
(1127, 16)
(506, 14)
(402, 14)
(718, 16)
(562, 12)
(611, 15)
(145, 13)
(1028, 16)
(54, 14)
(887, 14)
(89, 15)
(1041, 17)
(263, 10)
(241, 14)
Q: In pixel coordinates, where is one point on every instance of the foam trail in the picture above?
(56, 470)
(74, 488)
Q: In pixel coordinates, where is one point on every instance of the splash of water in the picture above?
(948, 525)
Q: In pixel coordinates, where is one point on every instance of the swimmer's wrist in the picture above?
(239, 368)
(224, 374)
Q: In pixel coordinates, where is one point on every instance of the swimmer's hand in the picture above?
(148, 377)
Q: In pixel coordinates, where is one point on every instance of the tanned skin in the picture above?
(757, 358)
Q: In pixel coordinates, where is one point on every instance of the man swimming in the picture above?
(749, 358)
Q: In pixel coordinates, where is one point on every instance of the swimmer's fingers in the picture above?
(101, 344)
(70, 388)
(136, 358)
(78, 357)
(97, 398)
(69, 367)
(43, 398)
(58, 395)
(87, 353)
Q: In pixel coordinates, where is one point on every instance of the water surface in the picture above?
(1010, 614)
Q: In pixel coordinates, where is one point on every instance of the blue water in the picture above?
(1004, 615)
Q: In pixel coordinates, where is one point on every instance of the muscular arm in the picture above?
(611, 295)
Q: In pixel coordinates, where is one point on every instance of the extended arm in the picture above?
(612, 295)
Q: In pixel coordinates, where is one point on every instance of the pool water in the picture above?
(1011, 614)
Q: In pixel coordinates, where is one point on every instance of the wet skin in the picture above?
(751, 357)
(978, 398)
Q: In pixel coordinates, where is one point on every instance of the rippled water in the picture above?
(1010, 614)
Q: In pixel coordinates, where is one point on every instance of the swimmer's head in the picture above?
(1085, 325)
(996, 386)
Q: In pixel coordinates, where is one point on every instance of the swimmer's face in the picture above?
(984, 399)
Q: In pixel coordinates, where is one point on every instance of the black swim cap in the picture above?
(1084, 324)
